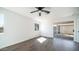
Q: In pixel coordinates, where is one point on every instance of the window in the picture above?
(36, 27)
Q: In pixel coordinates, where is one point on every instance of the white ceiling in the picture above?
(57, 13)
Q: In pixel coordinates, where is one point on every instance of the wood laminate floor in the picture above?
(44, 44)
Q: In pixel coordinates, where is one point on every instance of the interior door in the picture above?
(76, 29)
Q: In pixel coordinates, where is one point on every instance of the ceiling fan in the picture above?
(40, 9)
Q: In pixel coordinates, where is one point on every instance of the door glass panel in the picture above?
(1, 23)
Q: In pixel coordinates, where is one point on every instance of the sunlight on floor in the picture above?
(41, 40)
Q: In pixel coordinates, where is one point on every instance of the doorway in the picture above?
(64, 30)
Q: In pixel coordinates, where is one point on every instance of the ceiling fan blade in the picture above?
(45, 11)
(40, 14)
(34, 11)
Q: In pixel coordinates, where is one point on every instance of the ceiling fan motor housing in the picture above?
(40, 9)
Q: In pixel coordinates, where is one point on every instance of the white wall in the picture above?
(17, 28)
(46, 29)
